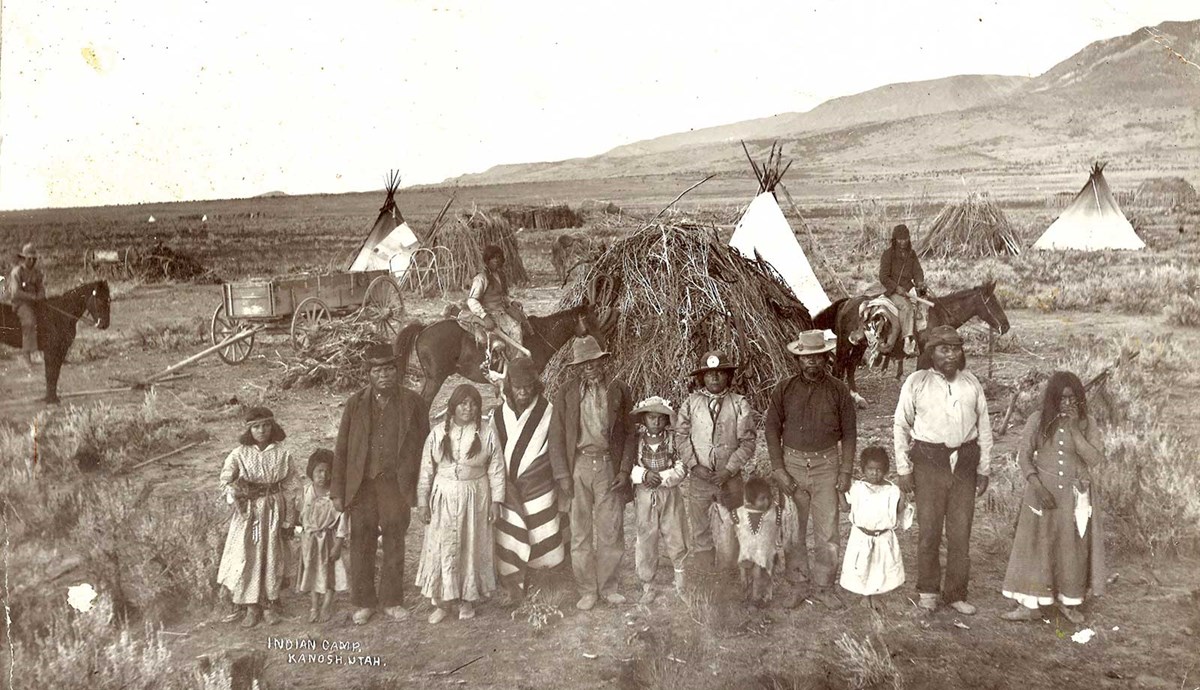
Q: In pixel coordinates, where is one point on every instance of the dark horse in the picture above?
(56, 326)
(444, 348)
(955, 309)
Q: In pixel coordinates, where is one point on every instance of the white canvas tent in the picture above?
(391, 243)
(764, 230)
(1092, 221)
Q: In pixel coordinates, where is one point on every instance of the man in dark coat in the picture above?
(899, 272)
(375, 466)
(588, 428)
(27, 288)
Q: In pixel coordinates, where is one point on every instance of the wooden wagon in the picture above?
(302, 305)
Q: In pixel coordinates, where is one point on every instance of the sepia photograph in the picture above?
(768, 345)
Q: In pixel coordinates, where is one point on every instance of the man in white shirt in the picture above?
(943, 444)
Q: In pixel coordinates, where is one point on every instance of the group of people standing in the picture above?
(539, 480)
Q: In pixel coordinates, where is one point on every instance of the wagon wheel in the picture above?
(224, 326)
(311, 316)
(383, 305)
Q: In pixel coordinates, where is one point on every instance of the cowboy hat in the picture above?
(28, 251)
(811, 343)
(714, 360)
(586, 349)
(379, 354)
(943, 335)
(654, 404)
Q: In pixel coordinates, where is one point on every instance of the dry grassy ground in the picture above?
(1077, 313)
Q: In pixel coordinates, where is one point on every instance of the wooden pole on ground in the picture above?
(236, 337)
(168, 454)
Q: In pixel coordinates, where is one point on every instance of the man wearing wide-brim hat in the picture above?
(812, 437)
(943, 445)
(27, 289)
(376, 464)
(589, 429)
(715, 435)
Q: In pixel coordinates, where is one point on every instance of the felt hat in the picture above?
(521, 373)
(258, 414)
(379, 354)
(654, 404)
(942, 335)
(714, 360)
(811, 343)
(900, 232)
(586, 349)
(28, 251)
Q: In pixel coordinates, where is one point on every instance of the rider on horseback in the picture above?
(899, 272)
(26, 288)
(490, 302)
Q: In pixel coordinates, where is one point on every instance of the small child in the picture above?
(259, 477)
(322, 543)
(763, 526)
(657, 471)
(873, 565)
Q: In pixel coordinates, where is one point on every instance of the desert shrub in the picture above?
(866, 665)
(171, 337)
(1183, 310)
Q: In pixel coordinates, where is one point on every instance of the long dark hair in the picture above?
(537, 385)
(465, 391)
(1060, 381)
(277, 435)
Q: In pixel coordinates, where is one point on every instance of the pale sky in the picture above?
(126, 101)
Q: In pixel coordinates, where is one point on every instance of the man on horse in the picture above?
(490, 302)
(27, 288)
(899, 272)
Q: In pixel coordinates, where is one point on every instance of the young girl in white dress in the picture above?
(873, 564)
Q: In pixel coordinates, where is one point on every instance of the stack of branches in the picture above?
(541, 217)
(334, 357)
(974, 228)
(466, 239)
(678, 292)
(160, 262)
(770, 172)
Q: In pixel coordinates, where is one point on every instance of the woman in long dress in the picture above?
(1058, 554)
(459, 492)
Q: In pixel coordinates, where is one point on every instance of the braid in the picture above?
(445, 445)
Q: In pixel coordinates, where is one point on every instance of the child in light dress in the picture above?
(765, 524)
(323, 569)
(873, 565)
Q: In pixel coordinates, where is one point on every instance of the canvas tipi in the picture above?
(765, 232)
(391, 243)
(1092, 221)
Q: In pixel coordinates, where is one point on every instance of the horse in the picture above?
(842, 317)
(444, 347)
(56, 318)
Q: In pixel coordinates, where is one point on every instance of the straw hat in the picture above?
(586, 349)
(714, 360)
(654, 404)
(811, 343)
(28, 251)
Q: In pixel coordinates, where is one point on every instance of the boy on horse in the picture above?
(489, 300)
(26, 288)
(899, 272)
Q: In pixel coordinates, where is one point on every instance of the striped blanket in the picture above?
(528, 534)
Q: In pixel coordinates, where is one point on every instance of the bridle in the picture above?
(987, 305)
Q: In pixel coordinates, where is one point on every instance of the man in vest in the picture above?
(489, 299)
(899, 272)
(26, 289)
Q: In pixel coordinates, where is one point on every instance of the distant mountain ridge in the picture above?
(1128, 99)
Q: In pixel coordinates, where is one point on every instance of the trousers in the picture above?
(815, 474)
(379, 507)
(29, 334)
(945, 501)
(597, 545)
(659, 518)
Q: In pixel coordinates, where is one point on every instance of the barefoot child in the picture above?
(872, 565)
(322, 566)
(656, 471)
(764, 528)
(259, 477)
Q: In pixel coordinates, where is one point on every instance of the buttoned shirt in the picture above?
(943, 411)
(593, 413)
(812, 416)
(384, 450)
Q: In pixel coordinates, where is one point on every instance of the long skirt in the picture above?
(317, 573)
(255, 558)
(1050, 562)
(456, 560)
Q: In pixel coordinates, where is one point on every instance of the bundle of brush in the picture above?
(971, 229)
(333, 357)
(678, 292)
(466, 239)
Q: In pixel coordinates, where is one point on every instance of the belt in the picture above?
(809, 455)
(256, 490)
(872, 532)
(462, 473)
(943, 446)
(592, 453)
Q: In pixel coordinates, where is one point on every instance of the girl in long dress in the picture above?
(459, 493)
(259, 477)
(1058, 552)
(323, 568)
(873, 565)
